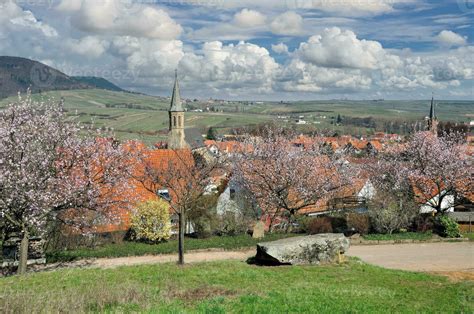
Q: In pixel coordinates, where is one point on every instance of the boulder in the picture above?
(312, 249)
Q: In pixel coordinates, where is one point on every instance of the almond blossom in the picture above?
(51, 168)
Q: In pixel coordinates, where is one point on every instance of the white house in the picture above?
(227, 203)
(447, 204)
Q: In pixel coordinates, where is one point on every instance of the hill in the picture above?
(19, 74)
(98, 82)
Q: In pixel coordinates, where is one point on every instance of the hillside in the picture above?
(98, 82)
(19, 74)
(137, 116)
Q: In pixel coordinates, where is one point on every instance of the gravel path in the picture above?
(429, 257)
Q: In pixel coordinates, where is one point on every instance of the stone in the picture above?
(11, 249)
(312, 249)
(258, 230)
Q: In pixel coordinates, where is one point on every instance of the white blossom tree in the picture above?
(48, 165)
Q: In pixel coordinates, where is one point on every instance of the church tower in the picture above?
(176, 120)
(432, 123)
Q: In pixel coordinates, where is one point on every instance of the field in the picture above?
(235, 287)
(137, 116)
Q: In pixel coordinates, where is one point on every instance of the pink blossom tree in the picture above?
(285, 178)
(49, 165)
(440, 169)
(435, 171)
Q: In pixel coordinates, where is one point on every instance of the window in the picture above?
(174, 121)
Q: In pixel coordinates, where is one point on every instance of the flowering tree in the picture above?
(393, 206)
(285, 178)
(180, 178)
(47, 167)
(435, 171)
(440, 170)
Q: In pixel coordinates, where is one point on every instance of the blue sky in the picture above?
(259, 49)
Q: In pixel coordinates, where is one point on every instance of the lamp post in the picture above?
(165, 195)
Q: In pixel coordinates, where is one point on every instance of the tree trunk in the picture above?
(23, 254)
(181, 228)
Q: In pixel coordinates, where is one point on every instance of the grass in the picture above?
(469, 235)
(400, 236)
(235, 287)
(137, 249)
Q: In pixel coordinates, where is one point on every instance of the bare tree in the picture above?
(181, 178)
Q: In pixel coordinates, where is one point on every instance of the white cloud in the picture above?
(249, 18)
(13, 17)
(346, 7)
(280, 48)
(450, 38)
(89, 46)
(288, 23)
(336, 61)
(234, 68)
(120, 18)
(336, 48)
(151, 58)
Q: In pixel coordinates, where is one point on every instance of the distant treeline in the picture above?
(130, 106)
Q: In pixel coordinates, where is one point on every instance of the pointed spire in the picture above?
(176, 98)
(432, 109)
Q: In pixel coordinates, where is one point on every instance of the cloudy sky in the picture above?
(254, 49)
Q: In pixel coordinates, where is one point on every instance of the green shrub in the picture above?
(447, 227)
(359, 222)
(319, 225)
(150, 221)
(231, 223)
(389, 212)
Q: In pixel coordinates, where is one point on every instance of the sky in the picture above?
(254, 49)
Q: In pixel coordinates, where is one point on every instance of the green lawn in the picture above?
(235, 287)
(400, 236)
(137, 249)
(469, 235)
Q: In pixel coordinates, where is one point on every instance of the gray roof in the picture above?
(176, 98)
(194, 138)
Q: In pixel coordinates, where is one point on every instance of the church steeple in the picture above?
(432, 109)
(176, 119)
(176, 97)
(432, 121)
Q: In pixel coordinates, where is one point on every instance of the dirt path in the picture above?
(428, 257)
(439, 258)
(191, 257)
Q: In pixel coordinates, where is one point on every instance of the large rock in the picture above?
(313, 249)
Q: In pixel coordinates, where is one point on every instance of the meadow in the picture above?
(235, 287)
(138, 116)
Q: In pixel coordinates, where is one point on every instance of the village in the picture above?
(275, 181)
(213, 156)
